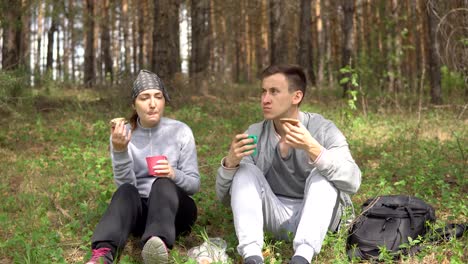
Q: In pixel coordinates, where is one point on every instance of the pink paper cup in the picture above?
(152, 161)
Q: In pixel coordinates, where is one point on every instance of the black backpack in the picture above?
(388, 221)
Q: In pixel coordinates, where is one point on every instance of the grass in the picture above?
(56, 177)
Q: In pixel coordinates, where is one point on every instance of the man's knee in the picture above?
(319, 184)
(247, 174)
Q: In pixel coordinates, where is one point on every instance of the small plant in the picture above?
(351, 78)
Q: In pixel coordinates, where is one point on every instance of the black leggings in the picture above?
(167, 213)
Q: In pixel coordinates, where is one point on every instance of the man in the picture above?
(299, 179)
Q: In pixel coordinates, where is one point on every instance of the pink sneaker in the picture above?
(101, 256)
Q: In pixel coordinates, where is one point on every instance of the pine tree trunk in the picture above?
(89, 59)
(12, 27)
(66, 42)
(141, 32)
(50, 40)
(25, 46)
(166, 50)
(71, 22)
(99, 62)
(332, 41)
(58, 62)
(201, 43)
(347, 48)
(434, 60)
(126, 37)
(414, 40)
(321, 42)
(304, 56)
(105, 42)
(135, 37)
(261, 42)
(278, 40)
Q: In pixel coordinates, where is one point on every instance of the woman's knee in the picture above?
(163, 185)
(126, 189)
(126, 195)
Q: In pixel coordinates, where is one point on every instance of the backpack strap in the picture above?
(448, 232)
(411, 215)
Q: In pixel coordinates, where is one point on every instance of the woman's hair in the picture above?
(133, 120)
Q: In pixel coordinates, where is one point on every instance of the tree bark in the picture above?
(25, 46)
(141, 32)
(126, 37)
(321, 42)
(38, 62)
(434, 60)
(166, 50)
(261, 42)
(50, 39)
(304, 55)
(278, 40)
(66, 41)
(135, 38)
(71, 28)
(333, 41)
(347, 48)
(12, 31)
(415, 72)
(200, 33)
(105, 42)
(89, 59)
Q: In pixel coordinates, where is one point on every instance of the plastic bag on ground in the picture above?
(212, 250)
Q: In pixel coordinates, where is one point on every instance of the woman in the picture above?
(157, 208)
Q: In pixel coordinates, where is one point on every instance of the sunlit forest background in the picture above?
(393, 76)
(397, 48)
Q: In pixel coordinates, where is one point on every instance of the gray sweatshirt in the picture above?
(287, 176)
(171, 138)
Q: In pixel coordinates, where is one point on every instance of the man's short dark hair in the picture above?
(295, 76)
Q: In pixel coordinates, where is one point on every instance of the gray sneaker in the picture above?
(155, 252)
(253, 260)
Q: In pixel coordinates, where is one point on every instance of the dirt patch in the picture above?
(6, 261)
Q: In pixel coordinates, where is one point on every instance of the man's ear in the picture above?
(297, 98)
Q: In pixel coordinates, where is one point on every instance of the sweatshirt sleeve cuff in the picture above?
(120, 155)
(323, 161)
(178, 176)
(314, 162)
(229, 172)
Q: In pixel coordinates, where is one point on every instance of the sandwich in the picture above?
(292, 121)
(114, 121)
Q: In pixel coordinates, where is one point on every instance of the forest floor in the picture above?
(56, 176)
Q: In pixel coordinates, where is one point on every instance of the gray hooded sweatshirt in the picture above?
(171, 138)
(287, 177)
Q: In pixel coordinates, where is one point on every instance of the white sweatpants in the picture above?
(256, 207)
